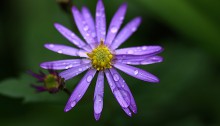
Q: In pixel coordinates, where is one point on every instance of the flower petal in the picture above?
(120, 94)
(100, 21)
(137, 73)
(62, 49)
(80, 90)
(98, 95)
(83, 26)
(125, 33)
(89, 19)
(145, 61)
(140, 50)
(119, 58)
(122, 84)
(64, 64)
(115, 24)
(74, 71)
(72, 37)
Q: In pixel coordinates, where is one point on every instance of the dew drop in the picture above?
(89, 78)
(98, 14)
(116, 77)
(79, 95)
(86, 28)
(144, 48)
(80, 69)
(60, 51)
(114, 29)
(121, 18)
(98, 103)
(73, 35)
(133, 29)
(130, 52)
(135, 72)
(103, 32)
(73, 103)
(51, 45)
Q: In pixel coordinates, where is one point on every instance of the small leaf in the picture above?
(21, 88)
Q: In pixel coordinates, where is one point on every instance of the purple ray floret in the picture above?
(99, 53)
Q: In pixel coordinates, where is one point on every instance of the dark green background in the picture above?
(188, 94)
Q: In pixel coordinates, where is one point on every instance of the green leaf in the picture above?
(21, 88)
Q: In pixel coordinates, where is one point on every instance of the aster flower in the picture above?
(99, 54)
(52, 82)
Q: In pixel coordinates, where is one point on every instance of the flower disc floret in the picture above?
(101, 57)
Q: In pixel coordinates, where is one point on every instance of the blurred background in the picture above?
(188, 94)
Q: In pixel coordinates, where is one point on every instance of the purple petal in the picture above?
(115, 24)
(120, 95)
(62, 49)
(74, 71)
(145, 61)
(141, 50)
(130, 57)
(39, 88)
(126, 32)
(98, 95)
(73, 38)
(64, 64)
(124, 88)
(89, 19)
(137, 73)
(80, 90)
(83, 26)
(100, 21)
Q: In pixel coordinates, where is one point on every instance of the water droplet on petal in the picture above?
(60, 51)
(80, 69)
(79, 95)
(135, 72)
(98, 103)
(73, 103)
(86, 28)
(144, 47)
(114, 29)
(121, 18)
(98, 14)
(103, 32)
(133, 29)
(130, 52)
(89, 78)
(116, 77)
(51, 45)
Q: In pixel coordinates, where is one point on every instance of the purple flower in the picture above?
(52, 82)
(100, 54)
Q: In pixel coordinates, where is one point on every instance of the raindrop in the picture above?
(86, 28)
(121, 18)
(73, 103)
(133, 29)
(123, 96)
(116, 77)
(144, 48)
(51, 45)
(114, 29)
(79, 95)
(98, 14)
(87, 34)
(60, 51)
(98, 103)
(73, 35)
(80, 69)
(135, 72)
(130, 52)
(89, 78)
(103, 32)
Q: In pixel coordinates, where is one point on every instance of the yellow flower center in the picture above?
(101, 57)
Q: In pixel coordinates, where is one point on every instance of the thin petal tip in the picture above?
(97, 116)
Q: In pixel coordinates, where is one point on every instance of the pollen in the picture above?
(101, 57)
